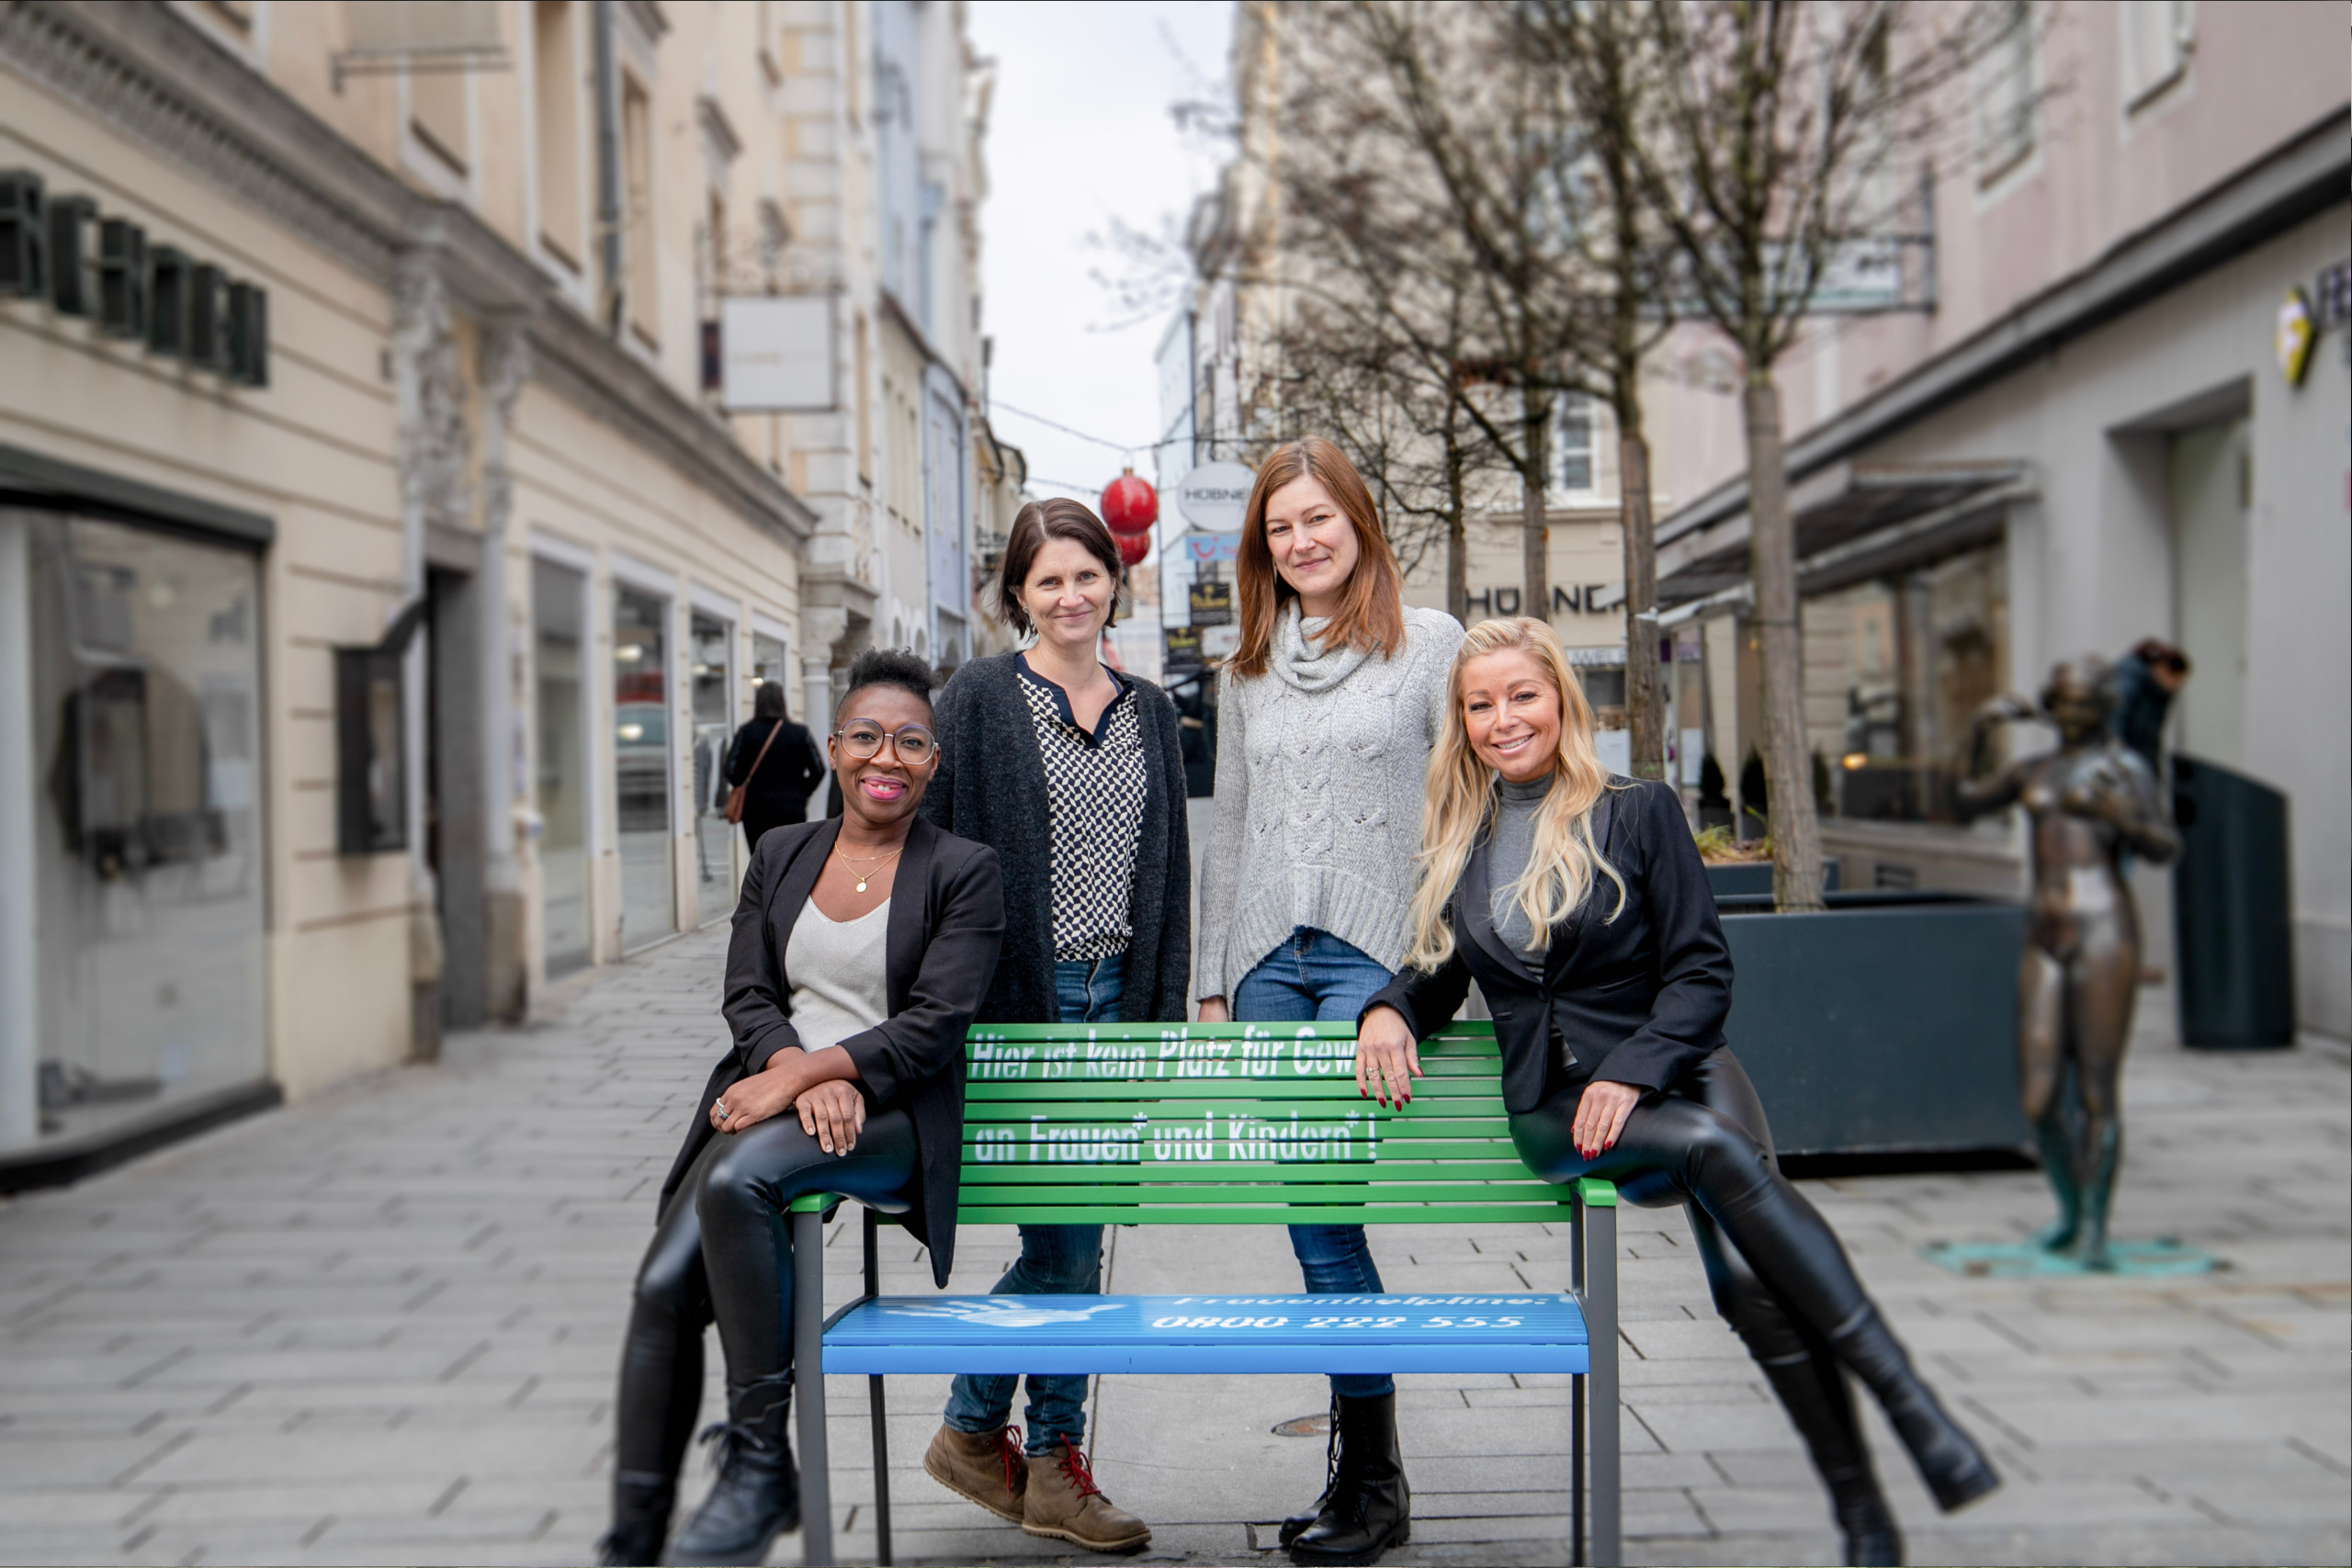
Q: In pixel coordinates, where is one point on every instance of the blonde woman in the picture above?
(1576, 899)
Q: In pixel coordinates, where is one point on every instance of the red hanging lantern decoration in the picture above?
(1130, 506)
(1133, 548)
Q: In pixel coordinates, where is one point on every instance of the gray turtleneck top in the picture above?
(1511, 841)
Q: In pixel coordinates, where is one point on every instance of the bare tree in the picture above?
(1418, 137)
(1767, 128)
(1597, 52)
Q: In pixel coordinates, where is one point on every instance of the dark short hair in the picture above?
(888, 667)
(1061, 518)
(767, 700)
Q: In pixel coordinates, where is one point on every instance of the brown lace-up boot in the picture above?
(1064, 1503)
(985, 1468)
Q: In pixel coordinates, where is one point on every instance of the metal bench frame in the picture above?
(1005, 1083)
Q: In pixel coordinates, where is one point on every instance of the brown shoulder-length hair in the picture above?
(1372, 608)
(1061, 518)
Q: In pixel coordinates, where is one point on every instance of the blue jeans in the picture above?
(1314, 975)
(1055, 1260)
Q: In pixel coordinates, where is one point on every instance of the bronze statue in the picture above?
(2091, 800)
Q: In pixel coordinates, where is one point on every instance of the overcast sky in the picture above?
(1079, 134)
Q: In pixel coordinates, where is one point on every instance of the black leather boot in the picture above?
(1296, 1525)
(641, 1504)
(757, 1494)
(1369, 1507)
(1955, 1470)
(1812, 1390)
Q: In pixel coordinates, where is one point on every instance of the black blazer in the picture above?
(1640, 1000)
(785, 780)
(947, 919)
(991, 787)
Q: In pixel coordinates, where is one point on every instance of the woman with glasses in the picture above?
(1329, 710)
(863, 946)
(1073, 772)
(1576, 901)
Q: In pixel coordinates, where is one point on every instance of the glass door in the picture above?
(558, 615)
(641, 765)
(714, 692)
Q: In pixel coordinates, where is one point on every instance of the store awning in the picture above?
(1853, 521)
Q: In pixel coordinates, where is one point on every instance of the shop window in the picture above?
(709, 673)
(1893, 669)
(641, 765)
(147, 876)
(558, 615)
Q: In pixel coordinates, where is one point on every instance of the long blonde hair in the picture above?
(1565, 862)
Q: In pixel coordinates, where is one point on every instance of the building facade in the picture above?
(383, 571)
(2088, 436)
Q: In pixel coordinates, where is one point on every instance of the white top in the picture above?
(839, 975)
(1321, 771)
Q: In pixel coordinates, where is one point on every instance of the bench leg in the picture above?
(874, 1402)
(1577, 1391)
(809, 1369)
(1601, 1325)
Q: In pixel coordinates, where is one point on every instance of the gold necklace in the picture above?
(862, 877)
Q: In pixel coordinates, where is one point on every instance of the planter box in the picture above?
(1751, 878)
(1886, 1024)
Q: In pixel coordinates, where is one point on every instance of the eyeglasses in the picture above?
(863, 739)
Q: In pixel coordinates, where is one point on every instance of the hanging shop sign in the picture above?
(1179, 648)
(1214, 496)
(63, 249)
(1211, 603)
(1205, 548)
(2298, 329)
(774, 354)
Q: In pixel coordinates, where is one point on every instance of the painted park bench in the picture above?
(1227, 1124)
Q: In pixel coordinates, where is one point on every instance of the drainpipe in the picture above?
(608, 168)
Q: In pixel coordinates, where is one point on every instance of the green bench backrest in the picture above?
(1255, 1124)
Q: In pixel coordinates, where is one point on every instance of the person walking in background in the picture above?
(1576, 900)
(1330, 706)
(2146, 681)
(862, 947)
(1073, 772)
(774, 763)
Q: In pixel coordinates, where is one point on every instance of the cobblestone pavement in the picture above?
(380, 1326)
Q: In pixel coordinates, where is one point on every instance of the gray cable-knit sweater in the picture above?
(1320, 768)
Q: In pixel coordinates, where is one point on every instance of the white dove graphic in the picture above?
(1003, 1315)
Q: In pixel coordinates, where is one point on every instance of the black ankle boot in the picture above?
(1295, 1526)
(641, 1503)
(1812, 1390)
(757, 1494)
(1955, 1470)
(1370, 1509)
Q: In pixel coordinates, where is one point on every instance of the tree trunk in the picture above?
(1788, 764)
(1644, 684)
(1457, 569)
(1535, 536)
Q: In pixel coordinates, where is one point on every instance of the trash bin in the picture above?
(2234, 941)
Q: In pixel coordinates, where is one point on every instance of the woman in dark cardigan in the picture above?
(1576, 899)
(777, 791)
(862, 947)
(1073, 775)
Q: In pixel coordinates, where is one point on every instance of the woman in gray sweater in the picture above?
(1327, 712)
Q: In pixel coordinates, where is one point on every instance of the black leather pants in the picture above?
(735, 1197)
(1774, 1266)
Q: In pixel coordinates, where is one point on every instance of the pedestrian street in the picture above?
(381, 1326)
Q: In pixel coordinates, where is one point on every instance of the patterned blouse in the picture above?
(1094, 788)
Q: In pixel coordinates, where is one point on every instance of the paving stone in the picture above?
(381, 1327)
